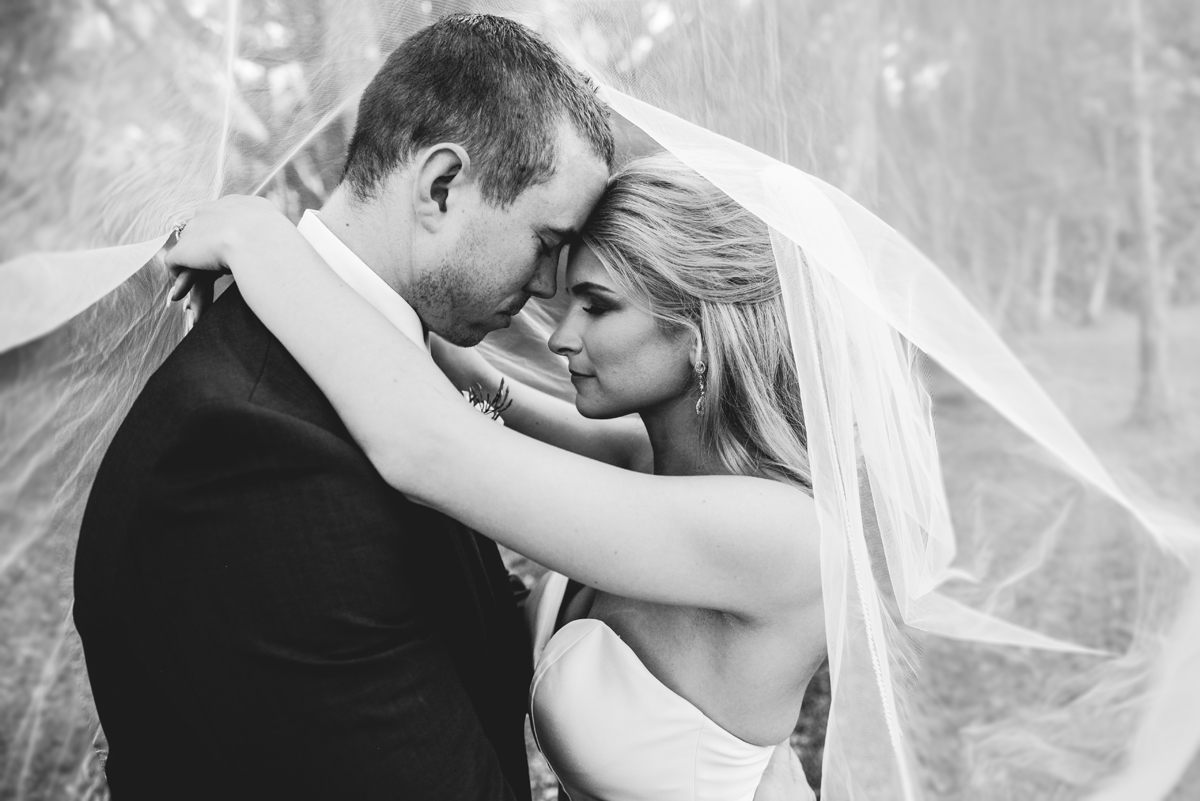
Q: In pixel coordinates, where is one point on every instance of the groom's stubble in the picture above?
(457, 300)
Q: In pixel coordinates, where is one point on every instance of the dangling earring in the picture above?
(701, 369)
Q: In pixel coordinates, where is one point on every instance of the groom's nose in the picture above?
(544, 283)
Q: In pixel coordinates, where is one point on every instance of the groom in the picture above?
(261, 615)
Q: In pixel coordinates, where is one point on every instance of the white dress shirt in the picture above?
(361, 278)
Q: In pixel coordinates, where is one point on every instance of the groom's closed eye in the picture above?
(555, 243)
(552, 238)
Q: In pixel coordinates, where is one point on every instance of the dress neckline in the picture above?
(632, 654)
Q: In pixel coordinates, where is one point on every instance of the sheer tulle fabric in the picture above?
(1008, 615)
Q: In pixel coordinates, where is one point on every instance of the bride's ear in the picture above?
(440, 172)
(697, 350)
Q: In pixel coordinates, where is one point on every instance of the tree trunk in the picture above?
(1049, 276)
(1021, 257)
(1152, 406)
(1098, 296)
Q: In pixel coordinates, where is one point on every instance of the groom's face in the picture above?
(489, 260)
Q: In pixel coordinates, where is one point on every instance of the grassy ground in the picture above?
(1100, 574)
(46, 727)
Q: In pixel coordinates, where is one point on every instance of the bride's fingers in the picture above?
(194, 249)
(183, 283)
(201, 297)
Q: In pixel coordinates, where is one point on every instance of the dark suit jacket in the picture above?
(263, 617)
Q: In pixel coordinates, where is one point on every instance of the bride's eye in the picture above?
(596, 309)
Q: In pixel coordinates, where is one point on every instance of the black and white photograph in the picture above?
(600, 400)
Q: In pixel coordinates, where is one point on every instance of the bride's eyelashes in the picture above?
(593, 299)
(595, 306)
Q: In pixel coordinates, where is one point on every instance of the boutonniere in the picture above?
(491, 404)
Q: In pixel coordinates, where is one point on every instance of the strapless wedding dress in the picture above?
(611, 731)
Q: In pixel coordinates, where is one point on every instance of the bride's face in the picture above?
(621, 358)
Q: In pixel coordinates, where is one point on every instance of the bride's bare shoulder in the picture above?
(769, 516)
(769, 494)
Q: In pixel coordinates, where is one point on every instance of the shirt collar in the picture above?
(361, 278)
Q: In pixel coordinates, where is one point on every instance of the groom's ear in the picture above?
(440, 173)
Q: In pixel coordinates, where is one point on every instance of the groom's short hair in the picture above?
(486, 83)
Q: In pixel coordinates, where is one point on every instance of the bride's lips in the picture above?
(575, 375)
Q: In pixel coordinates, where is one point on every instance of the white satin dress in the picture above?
(611, 731)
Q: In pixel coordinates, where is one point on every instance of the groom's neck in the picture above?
(371, 231)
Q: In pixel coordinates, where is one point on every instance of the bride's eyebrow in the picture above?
(588, 288)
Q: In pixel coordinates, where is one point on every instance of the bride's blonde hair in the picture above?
(685, 251)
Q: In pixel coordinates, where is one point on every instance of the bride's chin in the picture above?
(592, 410)
(585, 409)
(593, 413)
(595, 404)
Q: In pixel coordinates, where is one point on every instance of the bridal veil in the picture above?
(1011, 611)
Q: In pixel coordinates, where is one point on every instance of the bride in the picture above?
(682, 660)
(1026, 529)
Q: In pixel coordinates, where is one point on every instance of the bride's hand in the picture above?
(212, 240)
(784, 778)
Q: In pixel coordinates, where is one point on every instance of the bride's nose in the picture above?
(565, 339)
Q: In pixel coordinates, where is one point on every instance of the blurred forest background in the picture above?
(1046, 155)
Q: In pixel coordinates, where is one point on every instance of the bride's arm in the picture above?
(622, 442)
(741, 545)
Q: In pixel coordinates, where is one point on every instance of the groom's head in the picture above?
(482, 152)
